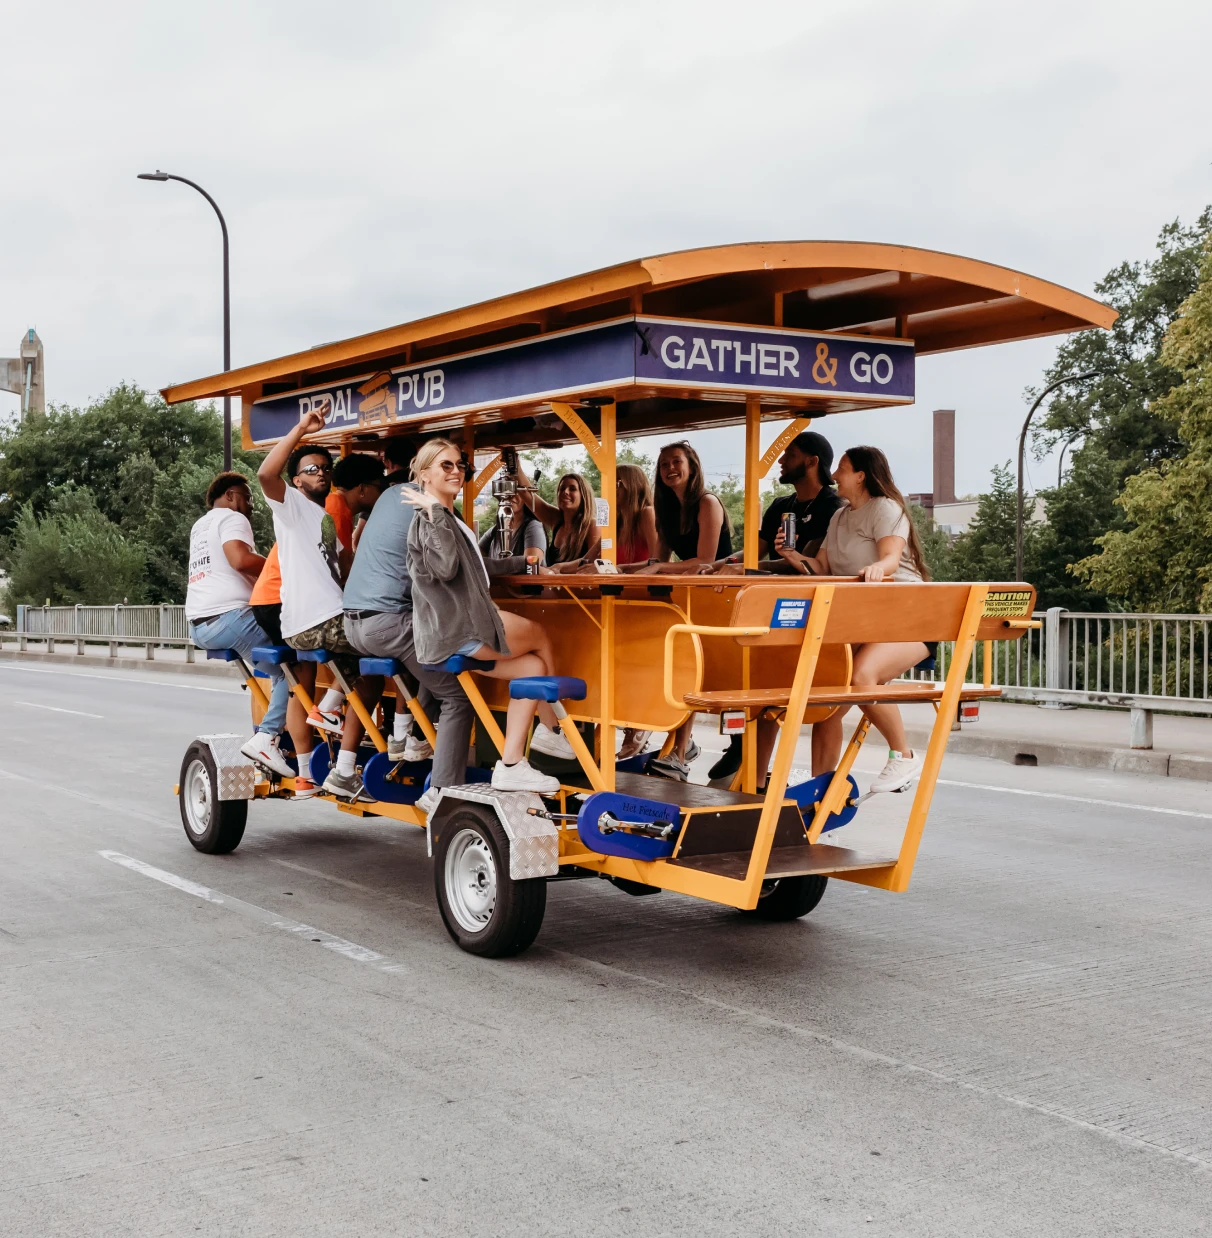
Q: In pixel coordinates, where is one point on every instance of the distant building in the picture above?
(25, 374)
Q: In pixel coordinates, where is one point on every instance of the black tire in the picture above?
(484, 909)
(212, 825)
(788, 898)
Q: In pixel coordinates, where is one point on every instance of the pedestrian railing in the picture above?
(148, 627)
(1144, 663)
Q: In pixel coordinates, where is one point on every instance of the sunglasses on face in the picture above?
(312, 469)
(451, 466)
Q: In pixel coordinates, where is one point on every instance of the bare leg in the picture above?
(304, 736)
(519, 714)
(524, 636)
(682, 738)
(369, 689)
(877, 664)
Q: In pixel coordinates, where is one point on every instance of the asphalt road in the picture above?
(292, 1044)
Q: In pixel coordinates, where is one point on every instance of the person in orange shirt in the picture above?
(266, 598)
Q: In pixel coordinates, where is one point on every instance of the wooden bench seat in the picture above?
(899, 692)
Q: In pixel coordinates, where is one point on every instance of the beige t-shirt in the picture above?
(854, 533)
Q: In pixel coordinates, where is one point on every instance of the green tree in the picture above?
(74, 554)
(146, 466)
(1162, 560)
(1119, 422)
(986, 550)
(936, 545)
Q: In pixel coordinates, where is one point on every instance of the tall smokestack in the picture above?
(944, 455)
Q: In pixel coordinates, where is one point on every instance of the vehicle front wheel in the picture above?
(212, 825)
(788, 898)
(483, 908)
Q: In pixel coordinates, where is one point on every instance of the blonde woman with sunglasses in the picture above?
(453, 613)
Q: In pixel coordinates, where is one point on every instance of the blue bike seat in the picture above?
(547, 688)
(459, 663)
(277, 654)
(926, 664)
(380, 666)
(312, 655)
(222, 655)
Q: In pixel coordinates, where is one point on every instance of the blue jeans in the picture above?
(238, 629)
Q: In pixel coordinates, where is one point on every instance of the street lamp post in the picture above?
(1022, 443)
(157, 175)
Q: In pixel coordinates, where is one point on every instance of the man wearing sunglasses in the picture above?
(313, 611)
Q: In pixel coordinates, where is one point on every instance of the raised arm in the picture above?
(542, 509)
(270, 473)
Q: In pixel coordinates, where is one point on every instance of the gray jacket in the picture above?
(450, 599)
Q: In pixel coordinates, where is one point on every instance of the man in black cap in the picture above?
(807, 464)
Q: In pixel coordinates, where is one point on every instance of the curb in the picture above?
(1080, 756)
(95, 661)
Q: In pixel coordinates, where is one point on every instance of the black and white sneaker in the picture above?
(670, 767)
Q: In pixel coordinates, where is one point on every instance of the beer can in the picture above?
(789, 530)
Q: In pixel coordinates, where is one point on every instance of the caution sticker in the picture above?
(1007, 605)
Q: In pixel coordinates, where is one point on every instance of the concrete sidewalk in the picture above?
(1025, 734)
(1007, 731)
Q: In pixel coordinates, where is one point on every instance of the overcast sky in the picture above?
(381, 161)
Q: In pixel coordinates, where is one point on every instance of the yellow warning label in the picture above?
(1007, 605)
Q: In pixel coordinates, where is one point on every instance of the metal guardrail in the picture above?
(151, 627)
(1144, 663)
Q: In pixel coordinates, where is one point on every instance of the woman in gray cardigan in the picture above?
(454, 614)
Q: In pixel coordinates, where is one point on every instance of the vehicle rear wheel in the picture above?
(483, 908)
(212, 825)
(788, 898)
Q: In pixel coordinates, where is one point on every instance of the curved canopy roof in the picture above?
(940, 301)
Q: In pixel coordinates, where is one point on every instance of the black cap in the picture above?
(813, 444)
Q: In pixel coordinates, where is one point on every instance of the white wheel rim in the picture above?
(196, 798)
(471, 881)
(768, 888)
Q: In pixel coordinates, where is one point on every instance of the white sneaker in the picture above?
(417, 748)
(551, 743)
(324, 721)
(429, 801)
(898, 774)
(522, 777)
(263, 750)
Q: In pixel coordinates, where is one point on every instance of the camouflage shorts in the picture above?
(330, 635)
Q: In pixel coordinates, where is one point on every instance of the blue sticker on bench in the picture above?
(627, 808)
(791, 613)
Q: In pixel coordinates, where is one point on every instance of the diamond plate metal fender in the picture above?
(534, 846)
(237, 774)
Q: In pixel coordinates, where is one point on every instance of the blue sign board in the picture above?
(645, 352)
(791, 613)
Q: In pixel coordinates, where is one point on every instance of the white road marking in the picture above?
(873, 1055)
(158, 683)
(350, 949)
(55, 709)
(1076, 799)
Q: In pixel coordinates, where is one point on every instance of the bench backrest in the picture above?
(862, 613)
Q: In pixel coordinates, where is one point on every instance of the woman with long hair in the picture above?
(454, 614)
(873, 538)
(692, 524)
(636, 521)
(571, 522)
(636, 525)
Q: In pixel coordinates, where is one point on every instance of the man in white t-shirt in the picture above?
(313, 609)
(223, 567)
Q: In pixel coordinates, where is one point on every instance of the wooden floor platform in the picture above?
(798, 861)
(668, 791)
